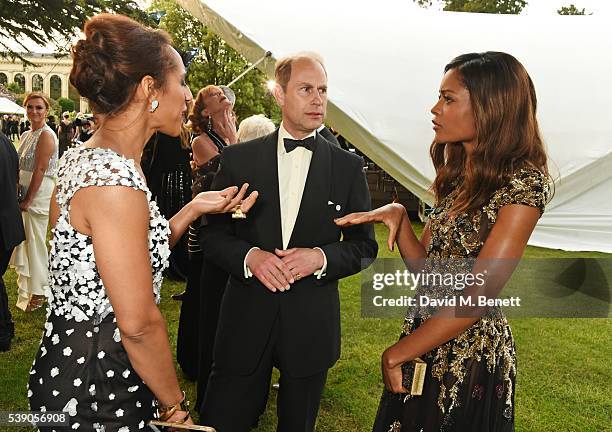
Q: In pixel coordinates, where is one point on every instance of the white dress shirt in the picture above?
(292, 172)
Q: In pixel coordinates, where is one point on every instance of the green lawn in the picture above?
(564, 365)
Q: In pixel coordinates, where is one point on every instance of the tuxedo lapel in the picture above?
(315, 196)
(269, 218)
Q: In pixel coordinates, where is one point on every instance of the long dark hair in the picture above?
(508, 137)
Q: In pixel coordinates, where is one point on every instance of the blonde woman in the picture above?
(38, 153)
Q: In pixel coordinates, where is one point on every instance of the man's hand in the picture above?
(270, 270)
(301, 262)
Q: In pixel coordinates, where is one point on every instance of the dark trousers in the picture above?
(188, 329)
(233, 403)
(7, 329)
(211, 289)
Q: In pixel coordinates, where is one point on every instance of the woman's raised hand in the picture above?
(391, 215)
(227, 126)
(225, 200)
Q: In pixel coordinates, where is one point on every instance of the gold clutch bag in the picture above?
(194, 427)
(413, 376)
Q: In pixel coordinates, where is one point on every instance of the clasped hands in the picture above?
(278, 270)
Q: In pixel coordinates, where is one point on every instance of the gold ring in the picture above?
(298, 276)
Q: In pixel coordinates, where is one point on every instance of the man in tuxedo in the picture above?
(281, 306)
(11, 229)
(328, 135)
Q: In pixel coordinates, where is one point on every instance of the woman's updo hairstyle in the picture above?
(115, 55)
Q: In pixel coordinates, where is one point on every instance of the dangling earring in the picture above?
(154, 105)
(209, 124)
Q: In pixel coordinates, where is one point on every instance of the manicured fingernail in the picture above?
(287, 287)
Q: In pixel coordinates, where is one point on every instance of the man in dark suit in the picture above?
(328, 135)
(11, 229)
(281, 306)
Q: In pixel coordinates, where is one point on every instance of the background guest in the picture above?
(22, 126)
(38, 154)
(5, 125)
(165, 164)
(212, 120)
(11, 230)
(51, 123)
(14, 127)
(87, 129)
(66, 133)
(253, 127)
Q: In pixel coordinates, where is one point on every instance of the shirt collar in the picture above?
(282, 134)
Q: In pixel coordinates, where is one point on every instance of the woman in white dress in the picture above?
(38, 153)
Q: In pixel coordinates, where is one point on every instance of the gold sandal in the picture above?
(36, 302)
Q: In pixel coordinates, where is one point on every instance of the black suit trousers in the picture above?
(234, 402)
(6, 320)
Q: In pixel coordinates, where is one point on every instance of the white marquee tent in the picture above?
(7, 106)
(385, 62)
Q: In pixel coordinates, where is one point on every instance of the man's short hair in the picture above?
(282, 69)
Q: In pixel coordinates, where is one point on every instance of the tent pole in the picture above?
(250, 68)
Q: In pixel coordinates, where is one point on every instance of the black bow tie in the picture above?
(291, 144)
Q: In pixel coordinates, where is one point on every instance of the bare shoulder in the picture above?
(46, 138)
(121, 208)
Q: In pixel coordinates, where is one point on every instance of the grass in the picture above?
(564, 370)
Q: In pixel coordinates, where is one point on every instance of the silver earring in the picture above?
(154, 105)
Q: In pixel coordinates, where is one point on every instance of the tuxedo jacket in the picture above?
(11, 223)
(329, 136)
(308, 313)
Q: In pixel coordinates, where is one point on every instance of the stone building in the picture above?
(49, 75)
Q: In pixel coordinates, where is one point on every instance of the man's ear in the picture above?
(279, 95)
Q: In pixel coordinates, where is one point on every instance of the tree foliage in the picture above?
(217, 63)
(50, 21)
(14, 87)
(480, 6)
(572, 10)
(65, 104)
(486, 6)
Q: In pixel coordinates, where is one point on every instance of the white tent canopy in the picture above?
(7, 106)
(385, 61)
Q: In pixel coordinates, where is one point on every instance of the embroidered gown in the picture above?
(470, 380)
(81, 366)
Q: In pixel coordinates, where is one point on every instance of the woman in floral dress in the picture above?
(105, 357)
(491, 187)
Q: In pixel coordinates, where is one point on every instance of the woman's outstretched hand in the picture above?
(224, 201)
(391, 215)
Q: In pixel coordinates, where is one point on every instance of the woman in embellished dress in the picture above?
(491, 187)
(38, 154)
(105, 356)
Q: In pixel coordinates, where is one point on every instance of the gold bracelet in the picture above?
(164, 413)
